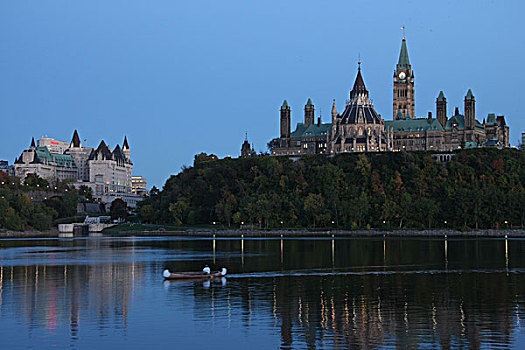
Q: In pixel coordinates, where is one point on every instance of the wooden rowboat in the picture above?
(193, 275)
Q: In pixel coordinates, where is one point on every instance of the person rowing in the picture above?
(205, 273)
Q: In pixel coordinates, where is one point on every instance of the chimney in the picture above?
(429, 120)
(318, 121)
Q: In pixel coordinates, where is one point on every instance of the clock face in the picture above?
(402, 75)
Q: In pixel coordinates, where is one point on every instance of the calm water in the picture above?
(292, 293)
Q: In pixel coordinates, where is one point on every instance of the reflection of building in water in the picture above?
(51, 295)
(377, 307)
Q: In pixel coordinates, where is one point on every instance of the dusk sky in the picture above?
(183, 77)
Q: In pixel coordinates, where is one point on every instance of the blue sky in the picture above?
(181, 77)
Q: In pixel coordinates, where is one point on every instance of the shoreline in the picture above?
(200, 233)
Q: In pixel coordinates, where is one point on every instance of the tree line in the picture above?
(479, 188)
(20, 212)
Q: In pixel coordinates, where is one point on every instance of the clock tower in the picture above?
(404, 100)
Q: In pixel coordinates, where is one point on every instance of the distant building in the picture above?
(247, 149)
(54, 146)
(307, 138)
(52, 167)
(6, 168)
(361, 129)
(138, 185)
(107, 172)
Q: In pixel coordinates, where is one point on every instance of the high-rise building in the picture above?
(138, 185)
(54, 146)
(6, 168)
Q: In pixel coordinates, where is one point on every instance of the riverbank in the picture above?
(52, 233)
(514, 233)
(517, 233)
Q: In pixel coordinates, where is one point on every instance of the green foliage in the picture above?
(479, 188)
(19, 211)
(119, 209)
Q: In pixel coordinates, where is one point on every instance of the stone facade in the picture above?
(360, 129)
(52, 167)
(308, 137)
(404, 90)
(107, 172)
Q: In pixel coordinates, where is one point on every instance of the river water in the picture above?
(104, 292)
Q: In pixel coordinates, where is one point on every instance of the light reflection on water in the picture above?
(291, 293)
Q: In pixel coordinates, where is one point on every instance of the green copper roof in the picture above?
(403, 62)
(441, 96)
(299, 130)
(309, 102)
(471, 144)
(470, 95)
(491, 119)
(62, 160)
(285, 105)
(459, 121)
(399, 114)
(413, 125)
(317, 130)
(312, 130)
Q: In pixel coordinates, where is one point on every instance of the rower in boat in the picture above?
(206, 273)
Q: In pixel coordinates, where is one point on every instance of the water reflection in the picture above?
(288, 293)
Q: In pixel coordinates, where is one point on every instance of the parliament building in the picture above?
(359, 128)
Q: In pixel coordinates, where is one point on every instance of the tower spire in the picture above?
(403, 62)
(359, 84)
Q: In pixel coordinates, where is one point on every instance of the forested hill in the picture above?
(479, 188)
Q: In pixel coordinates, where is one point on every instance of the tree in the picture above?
(225, 208)
(178, 210)
(119, 210)
(33, 180)
(146, 212)
(86, 192)
(274, 143)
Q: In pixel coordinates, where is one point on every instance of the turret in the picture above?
(470, 111)
(334, 111)
(441, 109)
(33, 145)
(309, 112)
(125, 148)
(75, 141)
(285, 122)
